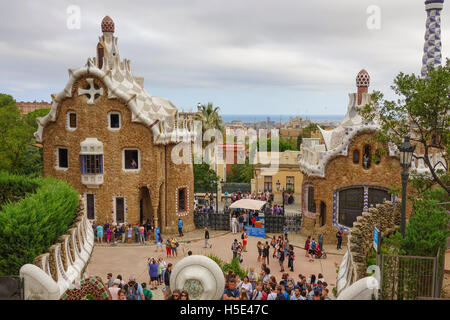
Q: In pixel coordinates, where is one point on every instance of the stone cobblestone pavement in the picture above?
(131, 259)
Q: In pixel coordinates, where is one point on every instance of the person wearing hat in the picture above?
(114, 290)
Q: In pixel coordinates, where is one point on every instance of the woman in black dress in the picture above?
(266, 253)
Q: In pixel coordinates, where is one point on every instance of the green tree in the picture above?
(299, 141)
(17, 151)
(306, 132)
(421, 112)
(241, 173)
(282, 145)
(210, 118)
(205, 179)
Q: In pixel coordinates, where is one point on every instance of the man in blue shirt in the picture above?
(180, 227)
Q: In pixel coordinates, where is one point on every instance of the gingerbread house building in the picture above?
(115, 143)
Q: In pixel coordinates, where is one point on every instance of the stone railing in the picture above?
(353, 267)
(65, 263)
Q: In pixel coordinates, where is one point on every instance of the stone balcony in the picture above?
(92, 180)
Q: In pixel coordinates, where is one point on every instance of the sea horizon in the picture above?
(280, 117)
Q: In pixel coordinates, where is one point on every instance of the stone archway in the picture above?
(145, 205)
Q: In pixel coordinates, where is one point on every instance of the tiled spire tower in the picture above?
(432, 49)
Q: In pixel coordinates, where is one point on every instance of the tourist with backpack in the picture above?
(148, 295)
(234, 248)
(174, 246)
(291, 257)
(133, 290)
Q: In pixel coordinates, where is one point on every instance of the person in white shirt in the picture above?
(273, 294)
(114, 290)
(246, 286)
(296, 294)
(234, 224)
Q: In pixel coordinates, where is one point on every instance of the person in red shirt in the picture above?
(307, 246)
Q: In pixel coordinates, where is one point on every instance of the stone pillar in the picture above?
(155, 216)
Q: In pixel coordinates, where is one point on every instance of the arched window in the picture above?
(367, 157)
(356, 156)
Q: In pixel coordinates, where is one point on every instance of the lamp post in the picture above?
(406, 152)
(282, 193)
(217, 194)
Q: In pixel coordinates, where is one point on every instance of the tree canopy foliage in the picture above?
(17, 151)
(421, 112)
(205, 179)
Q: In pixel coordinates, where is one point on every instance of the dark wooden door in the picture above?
(120, 210)
(90, 206)
(323, 213)
(351, 205)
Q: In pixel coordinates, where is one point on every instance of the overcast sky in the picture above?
(246, 56)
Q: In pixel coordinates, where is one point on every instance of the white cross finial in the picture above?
(91, 91)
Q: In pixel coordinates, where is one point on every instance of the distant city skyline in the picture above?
(247, 57)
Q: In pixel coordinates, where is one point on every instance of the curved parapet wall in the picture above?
(52, 273)
(353, 266)
(200, 276)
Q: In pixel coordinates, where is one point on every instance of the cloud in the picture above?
(311, 49)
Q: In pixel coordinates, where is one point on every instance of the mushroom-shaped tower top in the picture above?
(363, 79)
(107, 24)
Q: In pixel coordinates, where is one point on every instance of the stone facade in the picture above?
(342, 172)
(387, 220)
(80, 122)
(157, 174)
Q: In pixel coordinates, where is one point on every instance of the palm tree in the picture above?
(209, 116)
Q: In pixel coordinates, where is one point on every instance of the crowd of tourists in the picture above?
(113, 233)
(264, 286)
(159, 272)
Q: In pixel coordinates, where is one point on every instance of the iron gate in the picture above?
(410, 277)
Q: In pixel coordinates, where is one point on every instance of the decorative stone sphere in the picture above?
(107, 24)
(363, 79)
(200, 276)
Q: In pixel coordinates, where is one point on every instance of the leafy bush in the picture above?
(234, 266)
(31, 225)
(15, 187)
(216, 259)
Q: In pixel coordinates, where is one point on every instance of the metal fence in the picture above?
(410, 277)
(11, 288)
(234, 187)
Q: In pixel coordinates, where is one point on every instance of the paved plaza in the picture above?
(131, 259)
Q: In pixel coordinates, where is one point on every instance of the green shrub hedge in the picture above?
(15, 187)
(31, 225)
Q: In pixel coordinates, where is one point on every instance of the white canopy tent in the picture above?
(248, 204)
